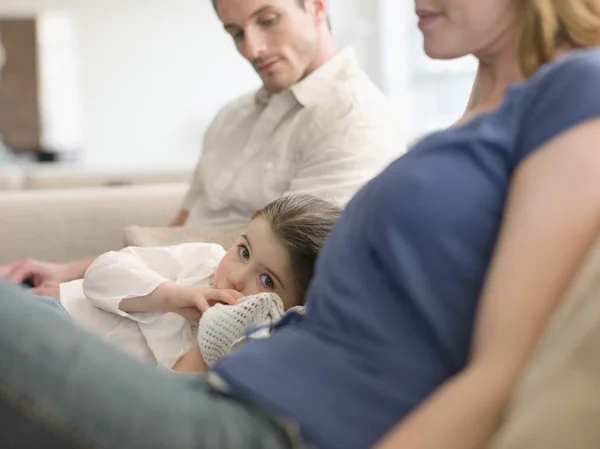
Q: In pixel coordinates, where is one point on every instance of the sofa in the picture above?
(66, 224)
(49, 176)
(556, 403)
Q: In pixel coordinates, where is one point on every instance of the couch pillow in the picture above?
(557, 402)
(166, 236)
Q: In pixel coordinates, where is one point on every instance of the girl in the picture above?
(149, 291)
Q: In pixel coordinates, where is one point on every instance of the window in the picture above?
(432, 93)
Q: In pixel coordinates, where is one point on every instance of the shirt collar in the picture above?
(319, 83)
(263, 96)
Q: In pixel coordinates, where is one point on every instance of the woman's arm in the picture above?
(552, 219)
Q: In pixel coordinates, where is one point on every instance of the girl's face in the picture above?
(258, 263)
(455, 28)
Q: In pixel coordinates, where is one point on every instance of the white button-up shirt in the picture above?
(162, 339)
(326, 136)
(93, 302)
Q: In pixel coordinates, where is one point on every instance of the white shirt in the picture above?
(326, 136)
(162, 339)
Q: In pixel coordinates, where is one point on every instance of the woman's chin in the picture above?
(442, 52)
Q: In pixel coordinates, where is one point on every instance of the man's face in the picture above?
(280, 38)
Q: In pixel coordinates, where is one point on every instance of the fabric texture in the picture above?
(556, 404)
(163, 338)
(56, 305)
(222, 326)
(327, 135)
(137, 272)
(116, 330)
(169, 236)
(391, 309)
(63, 388)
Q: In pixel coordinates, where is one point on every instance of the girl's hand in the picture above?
(191, 301)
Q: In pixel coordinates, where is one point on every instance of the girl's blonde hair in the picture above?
(548, 25)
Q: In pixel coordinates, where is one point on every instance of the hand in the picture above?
(192, 301)
(38, 272)
(51, 289)
(4, 270)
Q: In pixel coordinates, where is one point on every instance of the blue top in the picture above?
(392, 306)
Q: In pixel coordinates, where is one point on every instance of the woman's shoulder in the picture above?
(569, 71)
(560, 96)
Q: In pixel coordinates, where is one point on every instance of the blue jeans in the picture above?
(61, 387)
(52, 302)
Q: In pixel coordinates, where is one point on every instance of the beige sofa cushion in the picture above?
(557, 402)
(162, 236)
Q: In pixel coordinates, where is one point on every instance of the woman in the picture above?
(428, 297)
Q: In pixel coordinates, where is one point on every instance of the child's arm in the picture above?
(191, 362)
(135, 273)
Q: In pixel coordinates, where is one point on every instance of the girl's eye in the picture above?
(243, 252)
(267, 281)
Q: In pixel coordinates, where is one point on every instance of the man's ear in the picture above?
(319, 9)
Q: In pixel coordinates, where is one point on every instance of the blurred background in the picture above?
(133, 84)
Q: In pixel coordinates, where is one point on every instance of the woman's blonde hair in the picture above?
(548, 25)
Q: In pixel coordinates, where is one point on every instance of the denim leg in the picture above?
(52, 302)
(48, 300)
(61, 387)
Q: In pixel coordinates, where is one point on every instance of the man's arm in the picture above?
(180, 219)
(192, 197)
(39, 272)
(552, 219)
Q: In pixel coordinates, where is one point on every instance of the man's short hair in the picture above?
(300, 3)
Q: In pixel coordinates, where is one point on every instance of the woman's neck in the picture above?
(497, 71)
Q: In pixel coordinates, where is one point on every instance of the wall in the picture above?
(152, 74)
(433, 94)
(356, 23)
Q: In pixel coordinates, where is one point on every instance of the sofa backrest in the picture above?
(557, 402)
(60, 225)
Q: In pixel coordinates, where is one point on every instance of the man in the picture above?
(318, 125)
